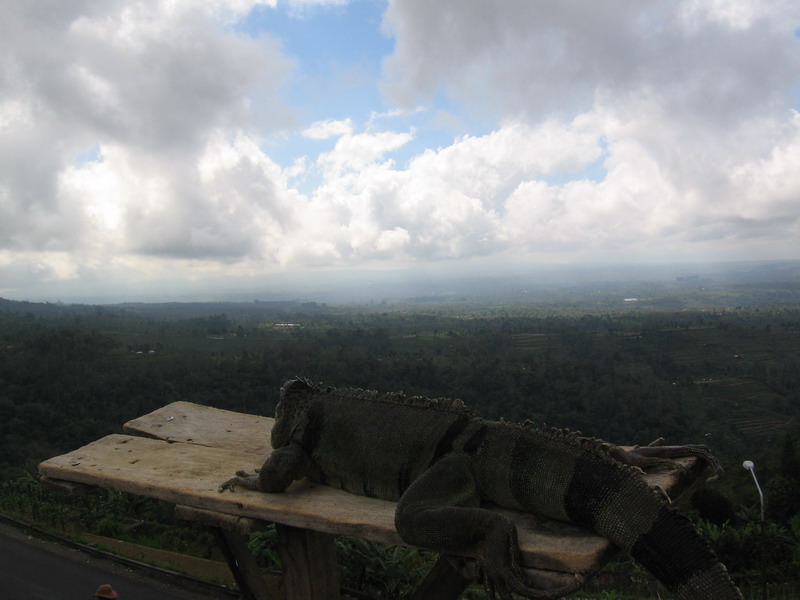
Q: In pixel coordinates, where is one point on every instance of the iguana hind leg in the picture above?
(441, 511)
(656, 455)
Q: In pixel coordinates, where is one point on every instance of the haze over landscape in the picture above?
(168, 149)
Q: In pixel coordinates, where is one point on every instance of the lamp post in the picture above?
(749, 465)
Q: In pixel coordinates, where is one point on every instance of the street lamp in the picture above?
(749, 465)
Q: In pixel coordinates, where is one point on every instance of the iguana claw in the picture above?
(244, 479)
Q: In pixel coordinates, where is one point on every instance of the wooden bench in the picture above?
(182, 452)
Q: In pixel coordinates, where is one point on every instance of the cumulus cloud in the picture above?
(713, 59)
(690, 99)
(357, 151)
(323, 130)
(133, 138)
(446, 203)
(490, 194)
(149, 86)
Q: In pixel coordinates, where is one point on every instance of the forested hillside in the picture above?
(727, 377)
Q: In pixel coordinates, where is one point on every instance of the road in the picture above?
(33, 569)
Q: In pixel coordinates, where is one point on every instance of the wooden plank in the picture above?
(184, 473)
(192, 423)
(190, 475)
(238, 524)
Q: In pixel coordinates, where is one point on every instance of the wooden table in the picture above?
(181, 453)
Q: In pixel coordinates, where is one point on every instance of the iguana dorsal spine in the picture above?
(441, 462)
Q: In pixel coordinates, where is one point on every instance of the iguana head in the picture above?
(291, 414)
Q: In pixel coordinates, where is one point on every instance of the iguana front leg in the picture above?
(280, 469)
(441, 511)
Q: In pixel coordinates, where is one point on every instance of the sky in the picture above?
(165, 147)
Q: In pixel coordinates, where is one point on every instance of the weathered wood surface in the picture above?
(192, 423)
(192, 449)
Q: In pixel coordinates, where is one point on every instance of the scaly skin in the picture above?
(440, 463)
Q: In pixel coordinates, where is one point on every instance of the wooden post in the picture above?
(252, 584)
(310, 568)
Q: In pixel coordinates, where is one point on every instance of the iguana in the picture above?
(441, 463)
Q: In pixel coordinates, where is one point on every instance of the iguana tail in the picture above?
(678, 557)
(641, 521)
(616, 502)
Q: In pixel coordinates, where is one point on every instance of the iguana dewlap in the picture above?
(441, 463)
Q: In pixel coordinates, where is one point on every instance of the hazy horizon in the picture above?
(437, 282)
